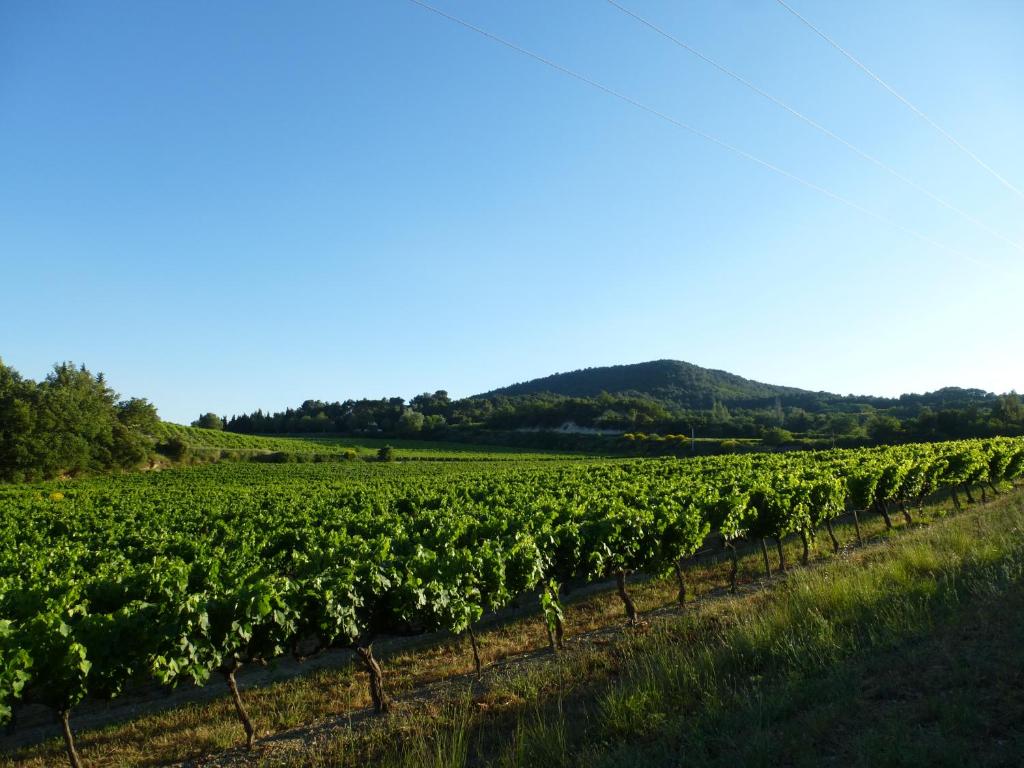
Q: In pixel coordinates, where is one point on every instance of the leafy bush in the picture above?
(209, 421)
(174, 449)
(777, 436)
(275, 457)
(69, 423)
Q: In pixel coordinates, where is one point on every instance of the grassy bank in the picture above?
(211, 445)
(912, 659)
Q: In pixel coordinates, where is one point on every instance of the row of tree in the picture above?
(436, 414)
(71, 422)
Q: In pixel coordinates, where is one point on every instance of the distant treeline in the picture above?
(429, 414)
(71, 422)
(943, 415)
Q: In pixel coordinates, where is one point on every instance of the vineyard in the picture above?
(212, 444)
(182, 575)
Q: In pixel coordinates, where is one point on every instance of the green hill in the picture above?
(671, 381)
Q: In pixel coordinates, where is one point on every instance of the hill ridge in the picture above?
(681, 383)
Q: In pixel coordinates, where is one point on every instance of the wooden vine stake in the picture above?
(805, 540)
(734, 570)
(906, 513)
(476, 651)
(681, 577)
(243, 715)
(764, 554)
(69, 739)
(884, 509)
(956, 500)
(832, 535)
(782, 555)
(381, 704)
(627, 601)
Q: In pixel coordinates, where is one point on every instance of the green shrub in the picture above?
(174, 449)
(275, 457)
(776, 436)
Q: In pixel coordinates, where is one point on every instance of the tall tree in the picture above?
(209, 421)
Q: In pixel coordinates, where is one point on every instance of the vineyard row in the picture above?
(195, 573)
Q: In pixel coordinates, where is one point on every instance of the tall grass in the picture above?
(685, 679)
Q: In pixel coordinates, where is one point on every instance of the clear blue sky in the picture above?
(234, 205)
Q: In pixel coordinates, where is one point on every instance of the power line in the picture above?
(816, 125)
(863, 67)
(686, 127)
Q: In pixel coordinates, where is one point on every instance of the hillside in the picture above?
(684, 385)
(665, 397)
(671, 381)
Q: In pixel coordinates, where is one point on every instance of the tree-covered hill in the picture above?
(664, 397)
(680, 385)
(674, 382)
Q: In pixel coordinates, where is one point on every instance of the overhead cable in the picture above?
(689, 128)
(816, 125)
(864, 68)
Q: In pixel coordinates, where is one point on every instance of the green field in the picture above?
(364, 447)
(178, 576)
